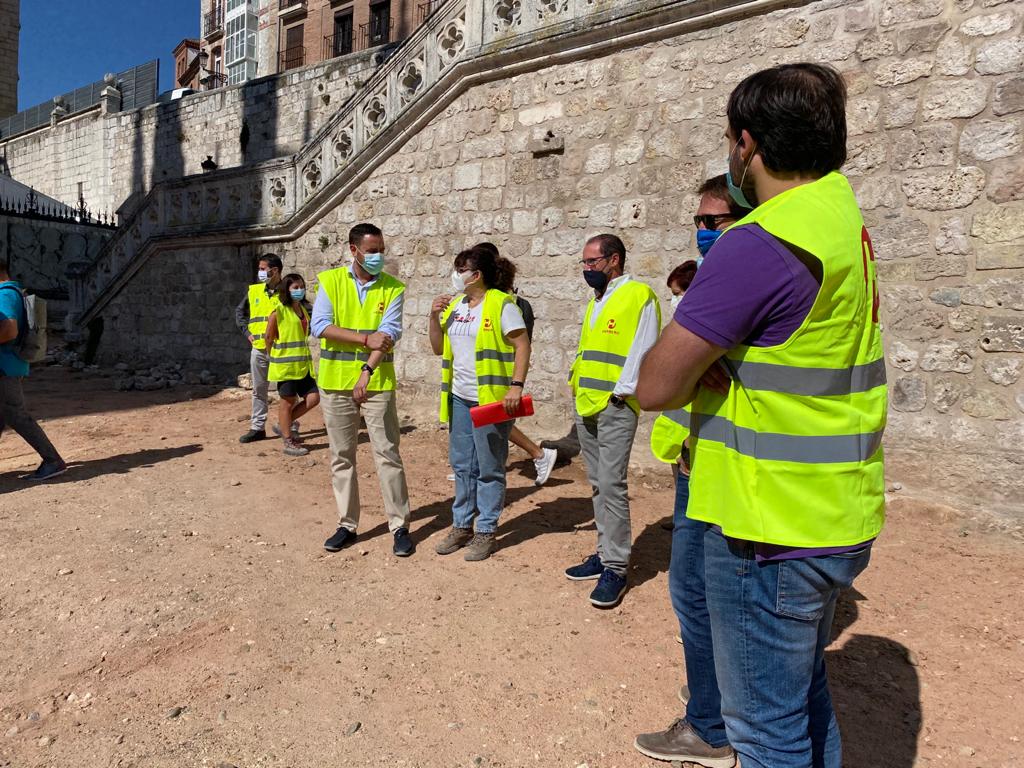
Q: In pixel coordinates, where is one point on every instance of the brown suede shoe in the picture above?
(456, 539)
(680, 742)
(480, 547)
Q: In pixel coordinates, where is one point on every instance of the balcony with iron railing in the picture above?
(338, 45)
(424, 10)
(213, 23)
(375, 33)
(292, 58)
(213, 80)
(286, 8)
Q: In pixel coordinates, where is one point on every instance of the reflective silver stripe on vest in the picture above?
(793, 380)
(445, 364)
(364, 331)
(258, 336)
(289, 344)
(599, 384)
(680, 416)
(259, 319)
(800, 449)
(335, 354)
(493, 354)
(295, 359)
(493, 381)
(604, 357)
(446, 387)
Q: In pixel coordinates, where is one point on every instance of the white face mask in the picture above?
(674, 301)
(458, 281)
(262, 275)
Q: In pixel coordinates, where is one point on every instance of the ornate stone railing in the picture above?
(463, 43)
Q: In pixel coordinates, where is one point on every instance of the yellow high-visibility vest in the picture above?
(668, 433)
(261, 304)
(290, 358)
(495, 356)
(796, 444)
(340, 363)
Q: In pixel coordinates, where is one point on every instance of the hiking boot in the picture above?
(253, 435)
(291, 448)
(341, 538)
(456, 539)
(668, 524)
(544, 465)
(590, 568)
(480, 547)
(681, 743)
(403, 544)
(609, 590)
(48, 469)
(294, 431)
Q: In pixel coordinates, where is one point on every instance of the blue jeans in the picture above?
(686, 588)
(771, 622)
(478, 459)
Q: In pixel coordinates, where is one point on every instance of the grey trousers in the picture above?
(606, 439)
(13, 414)
(259, 367)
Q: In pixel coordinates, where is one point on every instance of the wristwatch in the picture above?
(519, 384)
(616, 400)
(366, 367)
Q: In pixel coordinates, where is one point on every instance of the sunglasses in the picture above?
(710, 220)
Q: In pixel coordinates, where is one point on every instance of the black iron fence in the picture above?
(376, 32)
(293, 57)
(31, 207)
(213, 22)
(424, 10)
(338, 45)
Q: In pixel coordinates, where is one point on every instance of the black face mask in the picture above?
(596, 279)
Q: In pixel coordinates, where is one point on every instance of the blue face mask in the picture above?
(735, 189)
(705, 239)
(373, 263)
(298, 293)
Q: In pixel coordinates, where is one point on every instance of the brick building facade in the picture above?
(254, 38)
(10, 29)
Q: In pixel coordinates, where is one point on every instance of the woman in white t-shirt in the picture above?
(481, 336)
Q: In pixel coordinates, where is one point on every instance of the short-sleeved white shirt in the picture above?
(463, 326)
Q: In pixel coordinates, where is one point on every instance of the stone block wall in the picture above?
(935, 116)
(118, 157)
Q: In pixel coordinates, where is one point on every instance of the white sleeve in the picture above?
(646, 336)
(511, 319)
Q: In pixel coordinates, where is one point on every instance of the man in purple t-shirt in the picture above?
(786, 129)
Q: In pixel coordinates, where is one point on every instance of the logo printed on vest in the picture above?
(610, 328)
(380, 308)
(487, 324)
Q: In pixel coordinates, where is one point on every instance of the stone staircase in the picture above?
(462, 44)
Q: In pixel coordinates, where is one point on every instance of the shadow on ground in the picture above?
(112, 465)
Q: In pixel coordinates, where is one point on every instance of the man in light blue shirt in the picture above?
(12, 370)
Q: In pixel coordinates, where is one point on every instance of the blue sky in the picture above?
(66, 44)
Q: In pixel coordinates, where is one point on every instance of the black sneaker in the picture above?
(341, 538)
(403, 544)
(253, 435)
(590, 568)
(48, 469)
(609, 590)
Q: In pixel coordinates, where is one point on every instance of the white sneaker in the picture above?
(451, 478)
(545, 464)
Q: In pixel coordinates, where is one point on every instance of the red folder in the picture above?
(494, 413)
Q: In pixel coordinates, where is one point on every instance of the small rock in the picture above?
(226, 765)
(351, 730)
(33, 716)
(119, 739)
(174, 712)
(12, 731)
(45, 741)
(222, 717)
(65, 572)
(236, 482)
(966, 751)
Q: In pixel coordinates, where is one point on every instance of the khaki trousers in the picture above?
(341, 416)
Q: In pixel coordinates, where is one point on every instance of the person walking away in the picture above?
(13, 412)
(485, 355)
(291, 364)
(252, 316)
(780, 331)
(543, 458)
(620, 325)
(357, 316)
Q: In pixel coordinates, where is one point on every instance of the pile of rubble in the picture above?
(141, 377)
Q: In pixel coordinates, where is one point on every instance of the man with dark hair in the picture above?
(251, 316)
(358, 317)
(13, 323)
(620, 325)
(715, 212)
(777, 346)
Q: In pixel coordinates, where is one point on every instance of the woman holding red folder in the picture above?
(481, 336)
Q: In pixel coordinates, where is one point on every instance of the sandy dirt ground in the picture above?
(168, 602)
